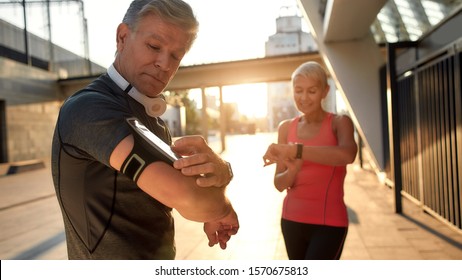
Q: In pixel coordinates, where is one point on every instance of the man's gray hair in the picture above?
(176, 12)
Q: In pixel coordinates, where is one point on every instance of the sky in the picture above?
(229, 29)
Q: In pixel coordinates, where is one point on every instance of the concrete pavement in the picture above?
(31, 223)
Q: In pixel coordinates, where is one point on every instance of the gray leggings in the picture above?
(313, 242)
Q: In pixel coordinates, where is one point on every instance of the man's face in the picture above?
(149, 56)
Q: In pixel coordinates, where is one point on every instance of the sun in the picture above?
(251, 99)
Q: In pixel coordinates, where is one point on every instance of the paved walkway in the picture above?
(31, 225)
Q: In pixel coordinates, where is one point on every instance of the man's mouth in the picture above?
(159, 80)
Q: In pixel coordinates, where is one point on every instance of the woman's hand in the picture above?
(277, 153)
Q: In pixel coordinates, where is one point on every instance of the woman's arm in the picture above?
(286, 170)
(342, 154)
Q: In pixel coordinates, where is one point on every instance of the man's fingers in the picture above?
(267, 161)
(190, 168)
(211, 235)
(207, 181)
(220, 233)
(190, 145)
(225, 235)
(194, 160)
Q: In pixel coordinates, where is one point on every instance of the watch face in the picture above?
(230, 170)
(299, 151)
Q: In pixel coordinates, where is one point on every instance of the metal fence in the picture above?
(427, 128)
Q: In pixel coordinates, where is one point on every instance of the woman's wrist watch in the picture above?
(230, 170)
(299, 153)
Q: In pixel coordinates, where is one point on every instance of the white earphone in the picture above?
(154, 106)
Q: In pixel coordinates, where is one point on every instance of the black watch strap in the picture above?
(299, 151)
(230, 170)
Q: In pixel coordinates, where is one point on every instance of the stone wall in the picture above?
(30, 130)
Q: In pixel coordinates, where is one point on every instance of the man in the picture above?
(115, 207)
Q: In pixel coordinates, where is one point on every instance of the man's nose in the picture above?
(163, 62)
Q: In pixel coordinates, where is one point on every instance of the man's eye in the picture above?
(154, 47)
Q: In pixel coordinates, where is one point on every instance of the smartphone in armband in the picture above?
(151, 143)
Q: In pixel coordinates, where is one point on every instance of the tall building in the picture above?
(289, 39)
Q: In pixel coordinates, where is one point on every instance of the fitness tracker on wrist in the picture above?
(299, 151)
(230, 170)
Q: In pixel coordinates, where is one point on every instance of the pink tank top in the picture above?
(317, 194)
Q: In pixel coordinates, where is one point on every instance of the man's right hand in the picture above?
(221, 230)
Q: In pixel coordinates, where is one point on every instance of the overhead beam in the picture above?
(349, 20)
(259, 70)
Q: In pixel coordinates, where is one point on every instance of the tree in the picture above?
(180, 98)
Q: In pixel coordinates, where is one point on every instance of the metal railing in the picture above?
(426, 106)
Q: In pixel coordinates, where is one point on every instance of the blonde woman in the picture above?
(311, 155)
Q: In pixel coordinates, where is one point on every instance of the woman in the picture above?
(311, 156)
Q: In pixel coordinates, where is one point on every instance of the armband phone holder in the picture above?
(152, 147)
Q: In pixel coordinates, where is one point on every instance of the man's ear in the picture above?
(123, 31)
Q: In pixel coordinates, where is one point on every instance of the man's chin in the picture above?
(153, 92)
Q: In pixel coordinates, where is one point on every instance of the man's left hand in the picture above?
(201, 161)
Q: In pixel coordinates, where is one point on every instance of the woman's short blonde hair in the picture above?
(311, 69)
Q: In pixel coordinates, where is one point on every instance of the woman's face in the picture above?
(308, 94)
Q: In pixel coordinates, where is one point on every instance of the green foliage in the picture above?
(180, 98)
